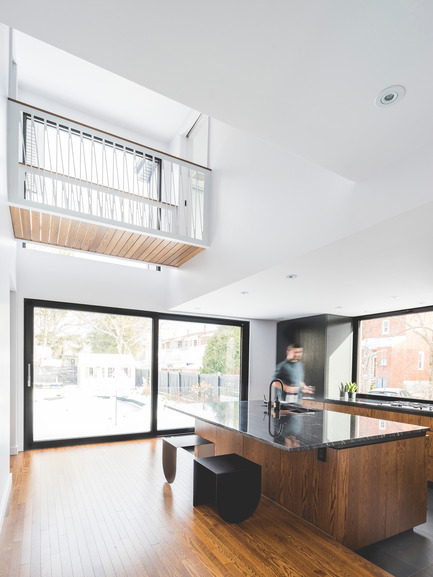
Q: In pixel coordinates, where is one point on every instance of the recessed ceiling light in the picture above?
(292, 276)
(389, 96)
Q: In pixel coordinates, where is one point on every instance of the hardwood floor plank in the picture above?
(56, 565)
(106, 511)
(24, 571)
(45, 553)
(65, 557)
(15, 559)
(26, 542)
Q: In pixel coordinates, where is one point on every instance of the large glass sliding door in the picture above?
(95, 374)
(198, 361)
(91, 374)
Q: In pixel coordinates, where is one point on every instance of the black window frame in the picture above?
(31, 304)
(357, 320)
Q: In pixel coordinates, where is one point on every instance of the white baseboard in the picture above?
(4, 500)
(14, 450)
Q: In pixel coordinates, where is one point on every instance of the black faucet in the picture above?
(270, 391)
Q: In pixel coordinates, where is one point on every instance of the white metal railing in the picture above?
(64, 167)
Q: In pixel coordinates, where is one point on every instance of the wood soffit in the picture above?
(64, 232)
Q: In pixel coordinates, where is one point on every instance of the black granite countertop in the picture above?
(291, 431)
(398, 405)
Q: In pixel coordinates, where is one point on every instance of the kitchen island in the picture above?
(359, 479)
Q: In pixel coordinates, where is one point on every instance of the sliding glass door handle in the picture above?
(29, 374)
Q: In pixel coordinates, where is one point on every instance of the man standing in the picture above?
(291, 372)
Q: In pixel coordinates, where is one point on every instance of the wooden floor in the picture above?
(106, 511)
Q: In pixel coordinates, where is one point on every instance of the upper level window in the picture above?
(385, 327)
(81, 155)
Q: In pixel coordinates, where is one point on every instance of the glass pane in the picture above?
(197, 362)
(395, 356)
(91, 374)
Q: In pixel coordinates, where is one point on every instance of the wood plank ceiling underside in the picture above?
(64, 232)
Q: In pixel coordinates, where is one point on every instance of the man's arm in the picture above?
(306, 389)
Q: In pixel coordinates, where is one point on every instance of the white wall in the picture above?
(40, 101)
(263, 344)
(72, 279)
(16, 361)
(7, 281)
(339, 349)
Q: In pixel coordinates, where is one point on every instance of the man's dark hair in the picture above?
(294, 346)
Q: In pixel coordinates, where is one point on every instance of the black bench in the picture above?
(230, 482)
(194, 444)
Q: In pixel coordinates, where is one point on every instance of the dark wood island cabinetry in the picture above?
(377, 411)
(358, 479)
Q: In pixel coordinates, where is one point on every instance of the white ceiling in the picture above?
(321, 64)
(318, 66)
(61, 77)
(386, 267)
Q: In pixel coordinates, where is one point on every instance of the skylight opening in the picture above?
(91, 256)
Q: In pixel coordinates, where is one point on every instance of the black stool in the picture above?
(194, 444)
(230, 482)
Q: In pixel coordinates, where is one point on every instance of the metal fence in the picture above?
(171, 384)
(192, 386)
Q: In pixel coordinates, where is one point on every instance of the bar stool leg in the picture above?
(238, 495)
(204, 485)
(169, 457)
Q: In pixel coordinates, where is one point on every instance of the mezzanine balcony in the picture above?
(75, 187)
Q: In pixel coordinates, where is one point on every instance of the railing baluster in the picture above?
(112, 162)
(134, 171)
(194, 205)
